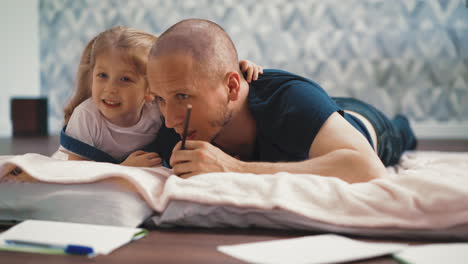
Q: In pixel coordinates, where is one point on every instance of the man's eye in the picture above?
(102, 75)
(182, 96)
(159, 99)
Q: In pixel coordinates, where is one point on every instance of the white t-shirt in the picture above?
(89, 126)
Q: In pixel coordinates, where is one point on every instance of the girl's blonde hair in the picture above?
(134, 43)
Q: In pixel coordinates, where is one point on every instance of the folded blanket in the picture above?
(100, 203)
(426, 191)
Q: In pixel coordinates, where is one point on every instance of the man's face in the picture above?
(174, 84)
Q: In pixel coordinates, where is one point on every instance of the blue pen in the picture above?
(68, 249)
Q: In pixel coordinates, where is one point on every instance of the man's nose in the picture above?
(174, 116)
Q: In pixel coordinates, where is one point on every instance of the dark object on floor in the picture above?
(29, 116)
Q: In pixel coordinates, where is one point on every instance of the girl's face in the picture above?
(118, 89)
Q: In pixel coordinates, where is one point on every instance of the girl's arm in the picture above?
(138, 158)
(142, 158)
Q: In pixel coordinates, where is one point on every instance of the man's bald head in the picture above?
(210, 47)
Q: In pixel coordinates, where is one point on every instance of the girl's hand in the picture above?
(15, 174)
(141, 158)
(252, 70)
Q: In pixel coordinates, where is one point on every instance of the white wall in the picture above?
(19, 53)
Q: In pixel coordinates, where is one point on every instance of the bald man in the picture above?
(281, 122)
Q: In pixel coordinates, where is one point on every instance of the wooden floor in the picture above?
(179, 245)
(48, 145)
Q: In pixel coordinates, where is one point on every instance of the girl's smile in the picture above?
(110, 103)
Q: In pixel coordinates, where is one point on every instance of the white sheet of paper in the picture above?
(453, 253)
(310, 249)
(103, 239)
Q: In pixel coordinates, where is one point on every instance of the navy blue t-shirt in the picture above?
(289, 111)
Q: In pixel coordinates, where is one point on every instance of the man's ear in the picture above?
(233, 84)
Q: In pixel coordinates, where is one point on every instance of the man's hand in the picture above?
(141, 158)
(201, 157)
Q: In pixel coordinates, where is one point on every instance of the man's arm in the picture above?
(73, 156)
(338, 150)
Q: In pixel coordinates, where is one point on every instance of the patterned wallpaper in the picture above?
(408, 56)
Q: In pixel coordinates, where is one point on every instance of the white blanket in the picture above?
(426, 191)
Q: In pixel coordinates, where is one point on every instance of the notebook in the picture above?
(326, 248)
(453, 253)
(67, 238)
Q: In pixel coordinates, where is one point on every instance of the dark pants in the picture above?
(393, 136)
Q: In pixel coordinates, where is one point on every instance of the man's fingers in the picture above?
(181, 156)
(181, 169)
(189, 145)
(187, 175)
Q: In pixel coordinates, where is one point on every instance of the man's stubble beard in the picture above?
(221, 123)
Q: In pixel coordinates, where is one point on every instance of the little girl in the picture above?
(111, 116)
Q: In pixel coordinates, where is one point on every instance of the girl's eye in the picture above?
(125, 79)
(102, 75)
(182, 96)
